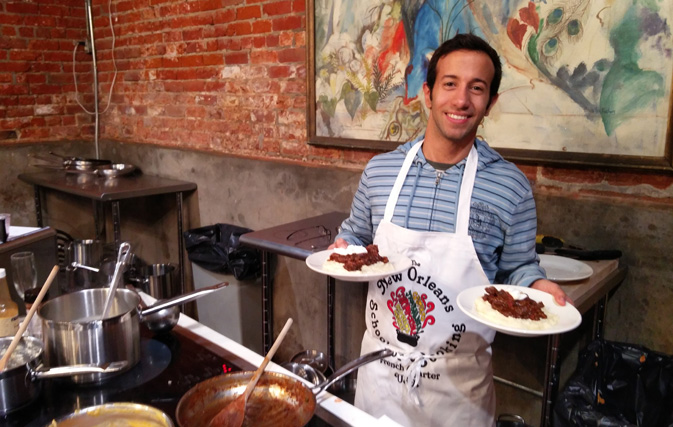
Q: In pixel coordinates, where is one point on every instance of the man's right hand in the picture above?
(338, 243)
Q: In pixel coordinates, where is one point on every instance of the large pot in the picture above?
(20, 382)
(74, 332)
(277, 400)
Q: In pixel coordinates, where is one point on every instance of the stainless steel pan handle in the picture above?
(182, 299)
(351, 366)
(66, 371)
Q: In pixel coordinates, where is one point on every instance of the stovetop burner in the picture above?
(155, 356)
(170, 365)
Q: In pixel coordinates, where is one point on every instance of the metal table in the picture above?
(297, 240)
(103, 191)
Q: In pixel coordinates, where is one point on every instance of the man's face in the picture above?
(460, 97)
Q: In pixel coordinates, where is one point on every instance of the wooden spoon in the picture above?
(26, 321)
(233, 414)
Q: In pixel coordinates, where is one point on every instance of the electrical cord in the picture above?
(114, 65)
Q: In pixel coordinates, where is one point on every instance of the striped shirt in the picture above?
(503, 220)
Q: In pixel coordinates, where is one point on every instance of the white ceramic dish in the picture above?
(562, 269)
(315, 262)
(568, 316)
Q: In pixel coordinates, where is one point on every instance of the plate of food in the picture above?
(517, 310)
(357, 263)
(562, 269)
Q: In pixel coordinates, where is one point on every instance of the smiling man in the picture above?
(466, 217)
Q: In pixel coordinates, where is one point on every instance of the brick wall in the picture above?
(37, 91)
(227, 76)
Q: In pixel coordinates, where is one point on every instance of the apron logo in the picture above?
(410, 314)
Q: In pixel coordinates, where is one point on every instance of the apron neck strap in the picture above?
(399, 182)
(466, 186)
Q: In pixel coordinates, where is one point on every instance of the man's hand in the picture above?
(554, 289)
(339, 243)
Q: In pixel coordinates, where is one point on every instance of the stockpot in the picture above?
(74, 333)
(20, 382)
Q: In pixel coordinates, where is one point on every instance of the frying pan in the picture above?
(278, 400)
(74, 164)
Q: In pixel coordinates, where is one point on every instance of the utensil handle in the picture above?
(351, 366)
(267, 358)
(182, 299)
(29, 316)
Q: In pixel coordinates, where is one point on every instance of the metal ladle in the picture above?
(124, 250)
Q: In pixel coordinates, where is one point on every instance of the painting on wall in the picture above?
(584, 81)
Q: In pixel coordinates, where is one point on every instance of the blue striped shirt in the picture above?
(503, 220)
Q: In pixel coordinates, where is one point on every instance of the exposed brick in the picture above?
(239, 29)
(22, 8)
(261, 26)
(224, 16)
(26, 32)
(263, 57)
(236, 58)
(248, 12)
(278, 8)
(214, 59)
(272, 40)
(287, 23)
(573, 175)
(280, 72)
(299, 6)
(626, 179)
(292, 55)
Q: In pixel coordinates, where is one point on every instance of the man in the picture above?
(466, 217)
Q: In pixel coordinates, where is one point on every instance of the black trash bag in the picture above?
(216, 248)
(618, 385)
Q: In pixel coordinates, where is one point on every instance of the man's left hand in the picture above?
(554, 289)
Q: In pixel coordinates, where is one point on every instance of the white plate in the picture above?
(562, 269)
(568, 316)
(315, 262)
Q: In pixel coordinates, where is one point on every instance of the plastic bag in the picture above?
(216, 248)
(618, 384)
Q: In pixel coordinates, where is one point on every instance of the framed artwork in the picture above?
(585, 82)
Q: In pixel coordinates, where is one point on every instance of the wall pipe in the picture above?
(89, 30)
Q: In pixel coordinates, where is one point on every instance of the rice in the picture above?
(484, 308)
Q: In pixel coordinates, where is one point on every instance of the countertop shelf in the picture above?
(106, 189)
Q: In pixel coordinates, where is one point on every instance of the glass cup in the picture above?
(24, 273)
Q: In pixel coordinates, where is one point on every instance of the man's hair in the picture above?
(466, 42)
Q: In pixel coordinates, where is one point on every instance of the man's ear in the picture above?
(428, 95)
(491, 103)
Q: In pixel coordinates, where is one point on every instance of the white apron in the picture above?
(442, 374)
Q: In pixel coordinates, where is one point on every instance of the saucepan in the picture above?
(74, 332)
(20, 382)
(278, 400)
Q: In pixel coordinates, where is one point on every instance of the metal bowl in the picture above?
(316, 359)
(115, 169)
(120, 412)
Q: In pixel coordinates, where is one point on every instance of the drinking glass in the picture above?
(24, 273)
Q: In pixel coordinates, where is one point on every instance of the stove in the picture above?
(169, 366)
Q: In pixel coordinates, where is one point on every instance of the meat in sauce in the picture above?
(354, 262)
(504, 302)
